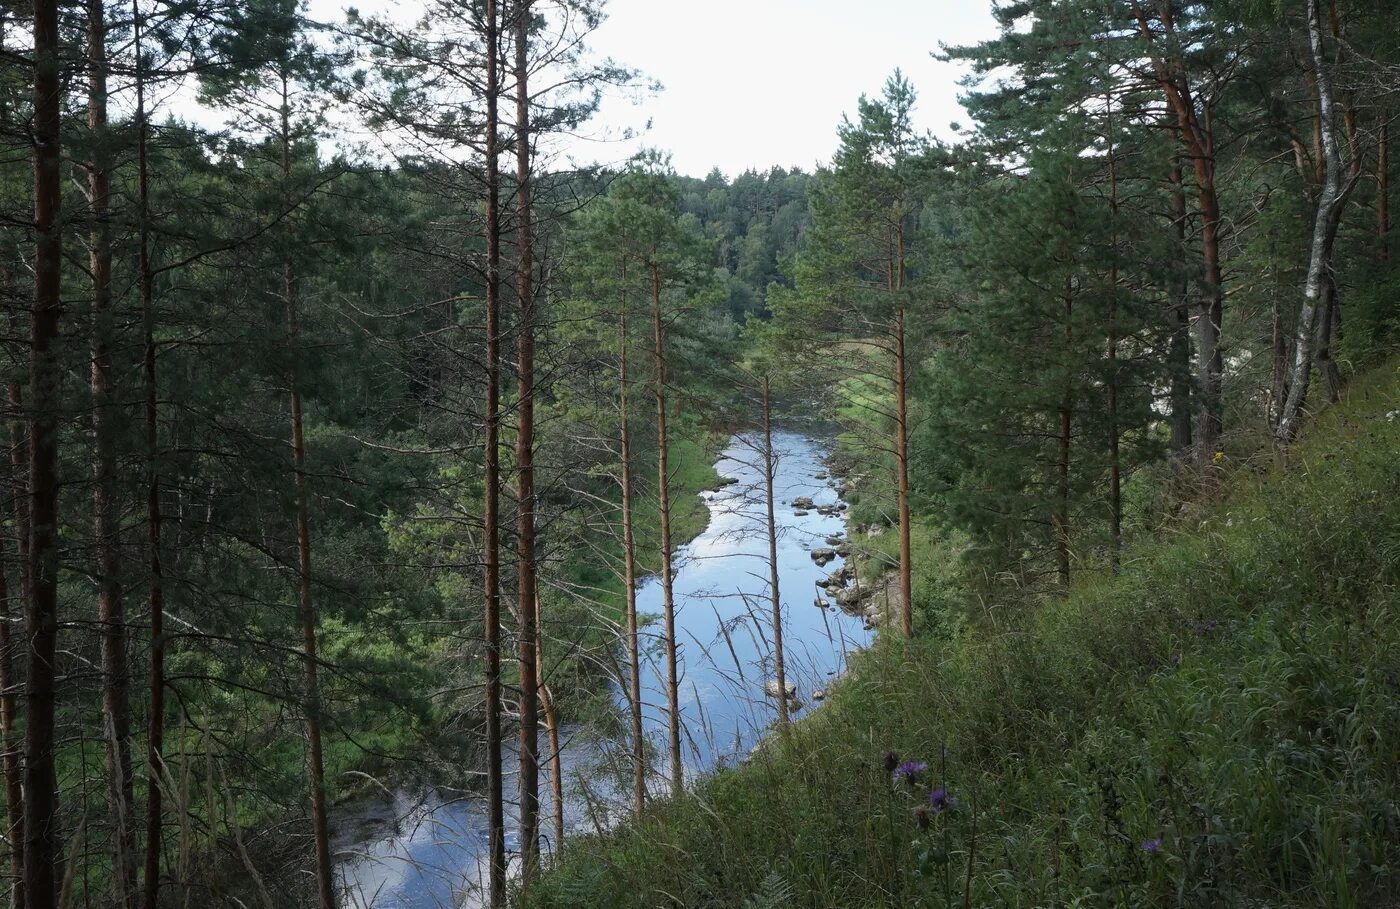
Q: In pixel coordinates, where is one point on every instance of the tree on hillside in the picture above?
(859, 284)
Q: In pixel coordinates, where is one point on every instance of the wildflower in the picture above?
(1218, 457)
(909, 771)
(1176, 659)
(1152, 846)
(940, 801)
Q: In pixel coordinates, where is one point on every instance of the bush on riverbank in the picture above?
(1220, 725)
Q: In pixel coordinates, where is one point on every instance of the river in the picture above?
(425, 849)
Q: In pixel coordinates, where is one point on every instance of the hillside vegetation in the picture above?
(1217, 726)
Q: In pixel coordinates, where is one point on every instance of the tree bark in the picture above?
(1383, 194)
(524, 456)
(155, 737)
(1060, 519)
(663, 497)
(1115, 466)
(1194, 122)
(306, 609)
(629, 570)
(1312, 326)
(110, 611)
(495, 794)
(769, 464)
(556, 755)
(10, 674)
(42, 849)
(1179, 345)
(901, 445)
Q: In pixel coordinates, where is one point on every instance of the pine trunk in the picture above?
(42, 848)
(769, 464)
(1179, 345)
(629, 566)
(1383, 194)
(1060, 519)
(10, 671)
(524, 456)
(556, 755)
(663, 497)
(116, 733)
(495, 790)
(155, 737)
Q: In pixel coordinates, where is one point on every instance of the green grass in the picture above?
(1235, 694)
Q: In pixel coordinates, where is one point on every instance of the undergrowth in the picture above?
(1217, 726)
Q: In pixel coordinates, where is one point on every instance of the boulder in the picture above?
(835, 539)
(803, 502)
(770, 688)
(726, 481)
(799, 513)
(844, 550)
(818, 695)
(821, 555)
(875, 530)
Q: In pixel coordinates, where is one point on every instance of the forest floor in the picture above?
(1217, 725)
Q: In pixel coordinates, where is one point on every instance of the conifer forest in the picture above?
(420, 490)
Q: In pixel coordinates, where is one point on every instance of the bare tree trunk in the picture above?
(43, 856)
(1193, 119)
(306, 609)
(1179, 346)
(524, 457)
(110, 613)
(10, 679)
(155, 737)
(1331, 202)
(1060, 519)
(663, 496)
(629, 563)
(495, 795)
(1115, 467)
(769, 463)
(901, 429)
(1383, 194)
(556, 755)
(14, 793)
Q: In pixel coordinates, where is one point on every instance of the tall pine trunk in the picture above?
(116, 733)
(12, 680)
(527, 587)
(663, 506)
(1383, 194)
(42, 848)
(155, 735)
(901, 439)
(306, 609)
(1065, 412)
(629, 572)
(1179, 323)
(495, 794)
(1115, 466)
(769, 464)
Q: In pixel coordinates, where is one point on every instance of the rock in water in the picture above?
(770, 688)
(821, 556)
(803, 502)
(818, 695)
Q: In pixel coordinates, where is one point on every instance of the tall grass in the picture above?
(1218, 726)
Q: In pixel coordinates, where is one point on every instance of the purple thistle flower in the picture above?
(1176, 659)
(909, 771)
(1152, 846)
(940, 801)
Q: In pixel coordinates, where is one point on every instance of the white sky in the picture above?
(757, 83)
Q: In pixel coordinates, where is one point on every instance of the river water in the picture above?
(426, 849)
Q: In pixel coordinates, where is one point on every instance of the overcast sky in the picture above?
(757, 83)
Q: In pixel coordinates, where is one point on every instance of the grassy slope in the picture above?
(1235, 694)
